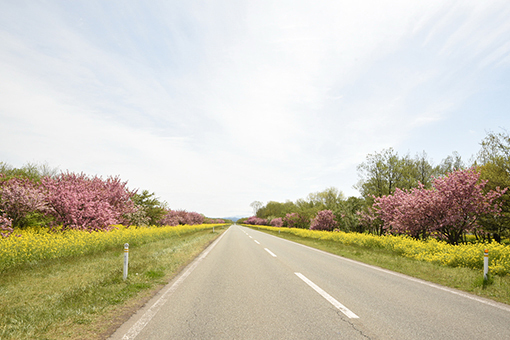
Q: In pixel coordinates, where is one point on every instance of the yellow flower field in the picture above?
(40, 244)
(464, 255)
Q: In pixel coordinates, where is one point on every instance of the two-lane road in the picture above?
(251, 285)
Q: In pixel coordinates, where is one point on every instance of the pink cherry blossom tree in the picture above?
(171, 218)
(324, 220)
(193, 218)
(459, 200)
(181, 217)
(80, 202)
(20, 197)
(450, 208)
(277, 222)
(254, 220)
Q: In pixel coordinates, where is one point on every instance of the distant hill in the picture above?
(233, 218)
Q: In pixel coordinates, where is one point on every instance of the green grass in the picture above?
(86, 297)
(470, 280)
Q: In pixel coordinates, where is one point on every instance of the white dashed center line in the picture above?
(328, 297)
(270, 252)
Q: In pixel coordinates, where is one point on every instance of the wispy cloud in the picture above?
(214, 105)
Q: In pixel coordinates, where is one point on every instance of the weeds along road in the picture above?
(251, 285)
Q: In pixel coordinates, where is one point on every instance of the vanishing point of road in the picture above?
(251, 285)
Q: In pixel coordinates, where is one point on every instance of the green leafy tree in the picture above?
(494, 159)
(32, 171)
(276, 209)
(256, 205)
(424, 170)
(148, 206)
(450, 164)
(329, 199)
(347, 214)
(383, 172)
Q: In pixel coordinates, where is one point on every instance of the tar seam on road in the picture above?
(149, 314)
(328, 297)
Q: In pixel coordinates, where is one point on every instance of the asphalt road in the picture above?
(251, 285)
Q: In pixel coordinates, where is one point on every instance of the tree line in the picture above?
(37, 196)
(410, 195)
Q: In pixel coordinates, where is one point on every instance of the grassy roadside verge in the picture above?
(85, 297)
(466, 279)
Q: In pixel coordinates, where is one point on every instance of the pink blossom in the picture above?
(19, 197)
(450, 208)
(277, 222)
(5, 226)
(177, 217)
(80, 202)
(324, 220)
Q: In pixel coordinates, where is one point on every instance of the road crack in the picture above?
(353, 326)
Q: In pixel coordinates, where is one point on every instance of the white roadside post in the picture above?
(126, 260)
(485, 263)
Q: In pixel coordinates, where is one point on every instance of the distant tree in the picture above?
(254, 220)
(277, 222)
(306, 209)
(495, 149)
(383, 172)
(451, 163)
(256, 205)
(276, 209)
(32, 171)
(194, 218)
(424, 170)
(329, 199)
(325, 220)
(171, 218)
(296, 220)
(181, 217)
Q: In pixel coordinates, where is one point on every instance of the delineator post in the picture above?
(126, 260)
(485, 263)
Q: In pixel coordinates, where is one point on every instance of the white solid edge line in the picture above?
(328, 297)
(270, 252)
(485, 301)
(149, 314)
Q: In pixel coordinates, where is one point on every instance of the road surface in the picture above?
(251, 285)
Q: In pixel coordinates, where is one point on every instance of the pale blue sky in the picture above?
(212, 105)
